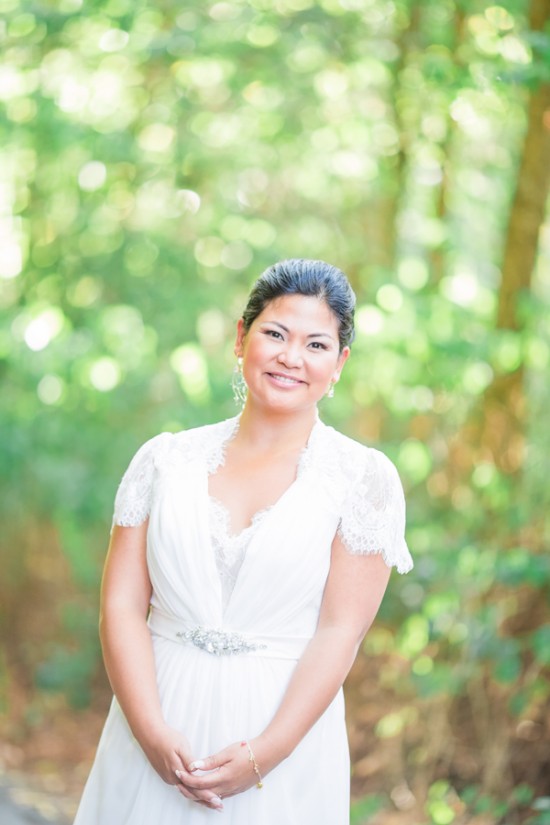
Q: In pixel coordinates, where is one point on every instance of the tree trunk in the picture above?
(496, 432)
(529, 204)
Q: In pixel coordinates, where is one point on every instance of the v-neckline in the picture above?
(267, 509)
(257, 517)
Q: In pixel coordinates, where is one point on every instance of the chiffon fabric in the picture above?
(271, 605)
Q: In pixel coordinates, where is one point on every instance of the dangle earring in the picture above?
(330, 391)
(238, 384)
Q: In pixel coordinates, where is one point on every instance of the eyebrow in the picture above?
(312, 335)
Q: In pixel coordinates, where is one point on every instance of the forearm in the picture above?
(318, 676)
(353, 593)
(352, 596)
(129, 661)
(316, 680)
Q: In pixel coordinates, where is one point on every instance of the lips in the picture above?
(285, 379)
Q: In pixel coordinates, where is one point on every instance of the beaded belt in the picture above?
(220, 642)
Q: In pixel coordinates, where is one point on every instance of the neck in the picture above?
(265, 429)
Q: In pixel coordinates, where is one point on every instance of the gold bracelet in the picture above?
(255, 766)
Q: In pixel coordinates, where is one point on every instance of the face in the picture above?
(291, 353)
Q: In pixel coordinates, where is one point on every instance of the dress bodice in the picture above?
(229, 548)
(361, 485)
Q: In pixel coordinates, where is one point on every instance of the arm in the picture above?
(353, 593)
(129, 659)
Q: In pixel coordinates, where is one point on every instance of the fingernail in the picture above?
(178, 774)
(197, 765)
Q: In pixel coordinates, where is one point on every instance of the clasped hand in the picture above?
(226, 773)
(207, 780)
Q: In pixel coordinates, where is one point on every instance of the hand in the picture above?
(228, 772)
(170, 755)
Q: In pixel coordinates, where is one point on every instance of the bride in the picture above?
(247, 561)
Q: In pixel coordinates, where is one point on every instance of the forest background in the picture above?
(155, 158)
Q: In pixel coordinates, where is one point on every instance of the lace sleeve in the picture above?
(133, 498)
(373, 515)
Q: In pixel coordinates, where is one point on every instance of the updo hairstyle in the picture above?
(299, 276)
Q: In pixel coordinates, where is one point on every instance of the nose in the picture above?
(290, 356)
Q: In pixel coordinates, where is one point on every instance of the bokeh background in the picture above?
(155, 158)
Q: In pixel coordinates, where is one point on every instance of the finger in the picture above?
(194, 784)
(210, 763)
(196, 793)
(183, 757)
(206, 782)
(183, 775)
(211, 801)
(187, 793)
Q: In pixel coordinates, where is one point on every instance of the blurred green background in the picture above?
(155, 158)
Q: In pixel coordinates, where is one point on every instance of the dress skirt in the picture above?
(214, 701)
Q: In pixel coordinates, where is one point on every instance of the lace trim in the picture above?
(373, 514)
(134, 494)
(209, 443)
(362, 484)
(133, 497)
(230, 548)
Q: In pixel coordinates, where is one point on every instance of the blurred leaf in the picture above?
(540, 644)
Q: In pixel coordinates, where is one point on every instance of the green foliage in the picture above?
(154, 159)
(520, 805)
(540, 644)
(366, 808)
(69, 671)
(542, 806)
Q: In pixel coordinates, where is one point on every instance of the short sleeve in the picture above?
(373, 515)
(134, 494)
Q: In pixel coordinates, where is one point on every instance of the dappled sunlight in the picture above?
(51, 389)
(154, 160)
(104, 374)
(190, 366)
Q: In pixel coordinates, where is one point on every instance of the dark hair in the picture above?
(299, 276)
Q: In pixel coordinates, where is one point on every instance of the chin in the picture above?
(288, 404)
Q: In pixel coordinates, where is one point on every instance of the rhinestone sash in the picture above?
(225, 642)
(219, 642)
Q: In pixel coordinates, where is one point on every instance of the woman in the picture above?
(247, 561)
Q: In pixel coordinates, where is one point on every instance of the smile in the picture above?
(284, 379)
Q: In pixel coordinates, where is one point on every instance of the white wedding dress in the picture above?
(230, 617)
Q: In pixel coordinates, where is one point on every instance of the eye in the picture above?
(318, 345)
(273, 333)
